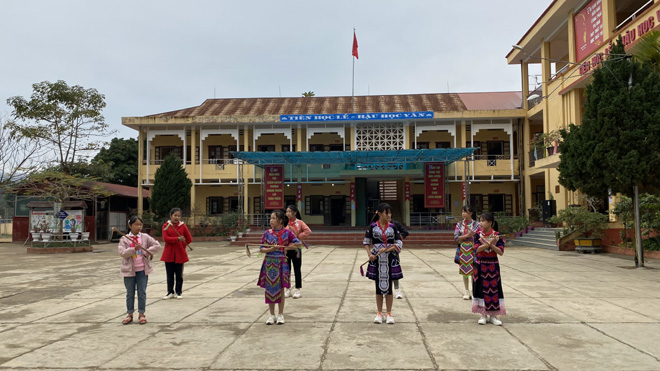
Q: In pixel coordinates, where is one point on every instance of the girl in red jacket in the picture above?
(176, 237)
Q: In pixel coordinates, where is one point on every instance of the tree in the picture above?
(308, 94)
(171, 187)
(617, 147)
(618, 144)
(122, 159)
(18, 156)
(62, 118)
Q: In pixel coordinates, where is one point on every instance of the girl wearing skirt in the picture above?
(464, 234)
(384, 266)
(274, 275)
(487, 294)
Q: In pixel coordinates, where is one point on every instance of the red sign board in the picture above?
(352, 191)
(464, 191)
(588, 29)
(406, 189)
(299, 192)
(274, 176)
(434, 185)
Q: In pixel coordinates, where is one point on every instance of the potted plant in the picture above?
(589, 224)
(232, 235)
(551, 141)
(537, 145)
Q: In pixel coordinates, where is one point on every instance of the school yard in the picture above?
(565, 312)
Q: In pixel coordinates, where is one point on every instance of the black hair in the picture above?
(489, 217)
(294, 208)
(381, 208)
(281, 215)
(174, 210)
(470, 209)
(132, 221)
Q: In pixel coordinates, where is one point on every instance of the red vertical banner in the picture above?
(298, 192)
(274, 180)
(464, 191)
(588, 29)
(406, 190)
(434, 185)
(352, 191)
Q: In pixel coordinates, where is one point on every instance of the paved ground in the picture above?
(565, 311)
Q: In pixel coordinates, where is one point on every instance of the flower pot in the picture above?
(36, 236)
(73, 236)
(85, 236)
(247, 230)
(232, 238)
(46, 236)
(240, 234)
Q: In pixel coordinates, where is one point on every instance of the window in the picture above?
(316, 148)
(214, 205)
(314, 205)
(215, 154)
(285, 148)
(228, 155)
(442, 144)
(476, 144)
(266, 148)
(422, 145)
(164, 151)
(477, 201)
(336, 147)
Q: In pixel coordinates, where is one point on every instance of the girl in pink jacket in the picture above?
(136, 249)
(302, 231)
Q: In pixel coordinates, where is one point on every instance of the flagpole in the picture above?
(353, 81)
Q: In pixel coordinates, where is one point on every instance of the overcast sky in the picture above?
(149, 57)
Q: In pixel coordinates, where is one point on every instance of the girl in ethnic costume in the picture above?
(176, 236)
(464, 234)
(136, 267)
(274, 275)
(302, 231)
(488, 297)
(383, 258)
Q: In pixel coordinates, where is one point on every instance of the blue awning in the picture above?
(400, 156)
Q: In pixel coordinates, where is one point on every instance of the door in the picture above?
(496, 203)
(338, 210)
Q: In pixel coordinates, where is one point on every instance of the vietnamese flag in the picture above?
(355, 46)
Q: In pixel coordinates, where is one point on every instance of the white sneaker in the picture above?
(297, 294)
(390, 319)
(467, 295)
(270, 319)
(379, 318)
(280, 319)
(482, 320)
(179, 296)
(287, 293)
(397, 294)
(495, 321)
(168, 296)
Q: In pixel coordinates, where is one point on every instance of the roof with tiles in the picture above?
(446, 102)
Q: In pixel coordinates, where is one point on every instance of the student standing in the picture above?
(464, 235)
(176, 237)
(302, 231)
(274, 275)
(383, 243)
(487, 294)
(136, 267)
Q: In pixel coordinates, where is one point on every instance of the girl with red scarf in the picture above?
(302, 231)
(176, 237)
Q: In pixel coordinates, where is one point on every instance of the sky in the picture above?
(149, 57)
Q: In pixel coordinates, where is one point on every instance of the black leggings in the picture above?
(296, 258)
(172, 269)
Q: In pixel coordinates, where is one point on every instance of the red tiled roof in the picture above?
(446, 102)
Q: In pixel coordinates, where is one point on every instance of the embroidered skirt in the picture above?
(487, 294)
(274, 276)
(466, 262)
(384, 269)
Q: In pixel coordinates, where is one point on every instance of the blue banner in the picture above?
(358, 116)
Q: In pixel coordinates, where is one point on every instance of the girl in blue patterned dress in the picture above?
(487, 294)
(274, 275)
(384, 265)
(464, 234)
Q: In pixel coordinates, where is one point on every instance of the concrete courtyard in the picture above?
(565, 312)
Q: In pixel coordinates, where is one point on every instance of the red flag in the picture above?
(355, 53)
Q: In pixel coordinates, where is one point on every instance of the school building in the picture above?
(557, 55)
(337, 158)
